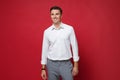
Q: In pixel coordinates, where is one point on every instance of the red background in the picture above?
(96, 23)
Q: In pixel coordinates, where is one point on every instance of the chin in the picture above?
(55, 22)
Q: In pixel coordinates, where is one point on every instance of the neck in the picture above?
(57, 25)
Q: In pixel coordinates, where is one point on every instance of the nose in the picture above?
(54, 16)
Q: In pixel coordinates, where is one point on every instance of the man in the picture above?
(58, 40)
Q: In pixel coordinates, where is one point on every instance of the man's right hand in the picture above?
(43, 74)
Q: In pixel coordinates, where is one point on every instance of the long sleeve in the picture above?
(45, 46)
(74, 45)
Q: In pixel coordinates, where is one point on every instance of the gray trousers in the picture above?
(57, 69)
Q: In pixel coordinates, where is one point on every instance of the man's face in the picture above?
(56, 16)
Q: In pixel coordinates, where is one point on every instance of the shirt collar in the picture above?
(61, 27)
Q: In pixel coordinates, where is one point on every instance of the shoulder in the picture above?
(66, 26)
(47, 30)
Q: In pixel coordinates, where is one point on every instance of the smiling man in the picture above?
(58, 40)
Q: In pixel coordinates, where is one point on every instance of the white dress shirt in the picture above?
(57, 44)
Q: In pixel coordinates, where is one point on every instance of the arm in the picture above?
(45, 46)
(75, 52)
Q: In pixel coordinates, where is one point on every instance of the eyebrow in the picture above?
(55, 13)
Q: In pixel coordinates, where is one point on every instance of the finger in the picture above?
(44, 77)
(74, 73)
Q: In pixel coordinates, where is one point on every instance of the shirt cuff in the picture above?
(43, 62)
(76, 59)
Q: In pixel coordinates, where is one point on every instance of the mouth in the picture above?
(54, 19)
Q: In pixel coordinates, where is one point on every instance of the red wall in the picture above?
(97, 26)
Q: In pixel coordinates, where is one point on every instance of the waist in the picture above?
(59, 60)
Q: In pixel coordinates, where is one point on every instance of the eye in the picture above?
(57, 13)
(52, 14)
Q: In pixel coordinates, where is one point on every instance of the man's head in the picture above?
(56, 14)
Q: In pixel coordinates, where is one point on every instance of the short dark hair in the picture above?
(56, 8)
